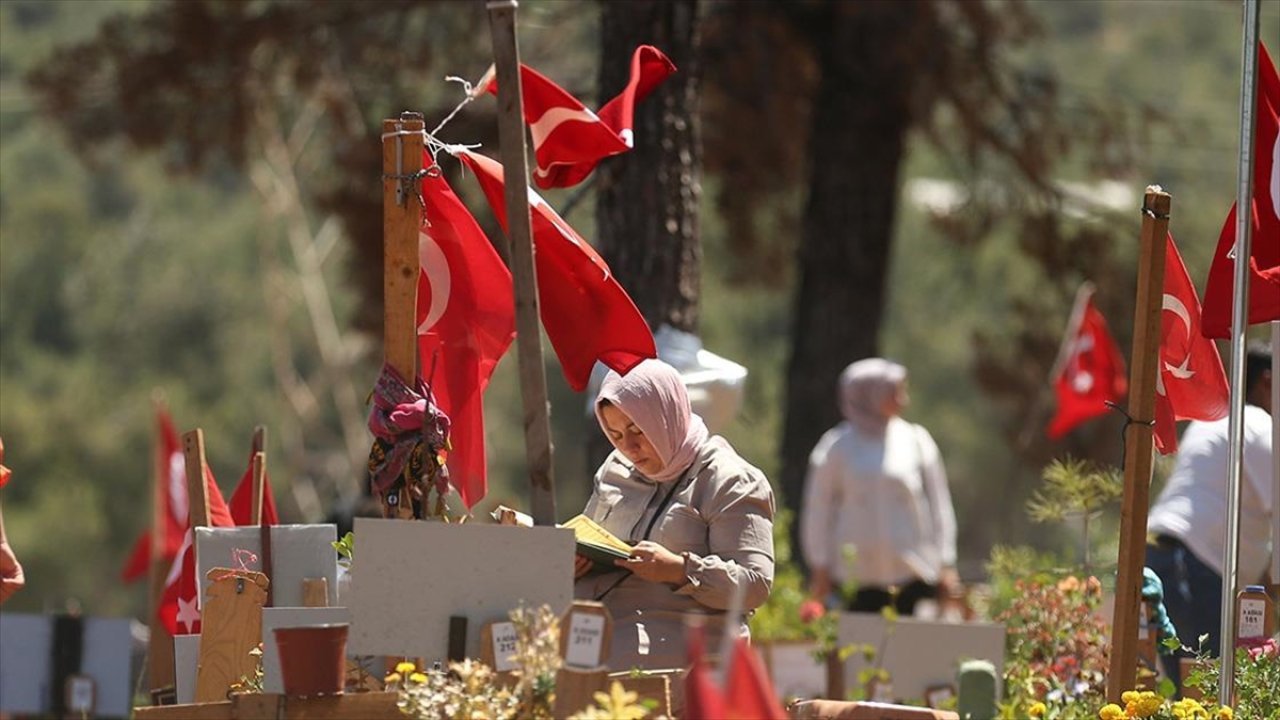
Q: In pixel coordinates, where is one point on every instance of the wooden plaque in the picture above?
(585, 632)
(231, 626)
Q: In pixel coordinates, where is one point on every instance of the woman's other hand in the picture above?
(581, 566)
(650, 561)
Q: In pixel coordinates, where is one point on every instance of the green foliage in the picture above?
(1073, 486)
(346, 547)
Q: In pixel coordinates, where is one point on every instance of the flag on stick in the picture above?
(1190, 384)
(241, 506)
(171, 490)
(466, 321)
(178, 609)
(587, 314)
(1090, 368)
(568, 139)
(1264, 255)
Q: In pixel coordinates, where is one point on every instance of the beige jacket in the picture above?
(718, 515)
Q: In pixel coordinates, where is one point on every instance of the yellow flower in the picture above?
(405, 667)
(1036, 710)
(1129, 696)
(1226, 713)
(418, 678)
(1111, 711)
(392, 678)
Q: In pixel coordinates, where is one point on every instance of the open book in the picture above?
(593, 541)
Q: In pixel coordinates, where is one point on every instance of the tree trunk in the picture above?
(647, 199)
(855, 153)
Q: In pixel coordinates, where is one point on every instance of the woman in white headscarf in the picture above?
(699, 516)
(877, 510)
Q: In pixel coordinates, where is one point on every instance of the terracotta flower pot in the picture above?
(313, 660)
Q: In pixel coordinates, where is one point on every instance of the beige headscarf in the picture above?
(655, 399)
(864, 387)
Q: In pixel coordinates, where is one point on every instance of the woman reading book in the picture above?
(698, 516)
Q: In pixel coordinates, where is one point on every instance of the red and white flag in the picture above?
(1090, 369)
(170, 468)
(1264, 255)
(568, 139)
(749, 693)
(179, 610)
(587, 314)
(466, 321)
(1190, 383)
(241, 506)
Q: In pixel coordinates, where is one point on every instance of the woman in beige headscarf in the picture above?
(876, 485)
(699, 516)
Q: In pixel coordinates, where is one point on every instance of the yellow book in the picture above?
(595, 542)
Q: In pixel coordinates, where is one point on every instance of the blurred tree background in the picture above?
(189, 211)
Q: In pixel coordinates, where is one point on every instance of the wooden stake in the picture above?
(1143, 371)
(515, 170)
(197, 493)
(259, 450)
(160, 645)
(259, 486)
(401, 219)
(402, 144)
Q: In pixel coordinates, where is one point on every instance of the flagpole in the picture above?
(519, 253)
(1239, 317)
(1275, 459)
(1143, 371)
(160, 671)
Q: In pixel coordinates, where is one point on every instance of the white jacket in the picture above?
(886, 499)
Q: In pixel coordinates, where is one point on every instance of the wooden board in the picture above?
(231, 626)
(315, 592)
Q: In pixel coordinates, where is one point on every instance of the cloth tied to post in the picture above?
(410, 433)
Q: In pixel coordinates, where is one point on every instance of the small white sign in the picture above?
(586, 641)
(80, 694)
(1253, 616)
(504, 646)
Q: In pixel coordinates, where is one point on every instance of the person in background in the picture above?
(876, 486)
(698, 515)
(1187, 524)
(11, 577)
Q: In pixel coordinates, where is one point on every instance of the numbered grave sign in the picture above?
(498, 646)
(585, 632)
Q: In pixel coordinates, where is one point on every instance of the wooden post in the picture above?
(515, 170)
(402, 144)
(259, 486)
(259, 449)
(197, 493)
(160, 643)
(1143, 372)
(401, 220)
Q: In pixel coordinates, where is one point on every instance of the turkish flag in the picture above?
(587, 314)
(1090, 368)
(466, 320)
(1264, 256)
(748, 691)
(178, 611)
(1190, 383)
(568, 139)
(241, 507)
(703, 698)
(170, 467)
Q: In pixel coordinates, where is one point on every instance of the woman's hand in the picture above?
(581, 566)
(650, 561)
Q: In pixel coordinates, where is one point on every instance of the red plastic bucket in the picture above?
(313, 659)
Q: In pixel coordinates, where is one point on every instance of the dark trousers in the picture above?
(875, 599)
(1192, 597)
